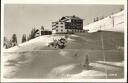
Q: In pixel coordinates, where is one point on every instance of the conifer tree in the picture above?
(24, 38)
(14, 40)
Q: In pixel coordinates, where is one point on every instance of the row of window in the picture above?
(75, 30)
(60, 26)
(76, 20)
(70, 30)
(74, 24)
(60, 23)
(70, 27)
(73, 27)
(57, 30)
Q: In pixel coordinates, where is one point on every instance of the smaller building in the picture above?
(46, 32)
(42, 31)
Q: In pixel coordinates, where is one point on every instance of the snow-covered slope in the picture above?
(75, 41)
(34, 59)
(111, 23)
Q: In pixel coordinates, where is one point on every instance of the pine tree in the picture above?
(102, 17)
(28, 38)
(97, 19)
(42, 28)
(14, 40)
(33, 34)
(24, 38)
(94, 20)
(5, 42)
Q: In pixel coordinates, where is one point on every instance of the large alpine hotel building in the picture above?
(68, 24)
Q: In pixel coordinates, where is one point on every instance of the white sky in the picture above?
(21, 18)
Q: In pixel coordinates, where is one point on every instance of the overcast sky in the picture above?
(21, 18)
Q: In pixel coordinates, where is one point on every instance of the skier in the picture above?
(86, 62)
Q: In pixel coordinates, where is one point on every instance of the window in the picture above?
(56, 26)
(61, 30)
(61, 26)
(56, 30)
(61, 22)
(68, 27)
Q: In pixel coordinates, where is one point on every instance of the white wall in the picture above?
(60, 28)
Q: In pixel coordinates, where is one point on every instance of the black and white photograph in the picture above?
(63, 41)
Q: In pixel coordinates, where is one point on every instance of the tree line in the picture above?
(10, 43)
(13, 41)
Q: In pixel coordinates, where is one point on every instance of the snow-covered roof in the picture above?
(73, 17)
(66, 18)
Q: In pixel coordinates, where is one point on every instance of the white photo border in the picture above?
(113, 2)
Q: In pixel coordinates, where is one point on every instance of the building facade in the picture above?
(42, 31)
(68, 24)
